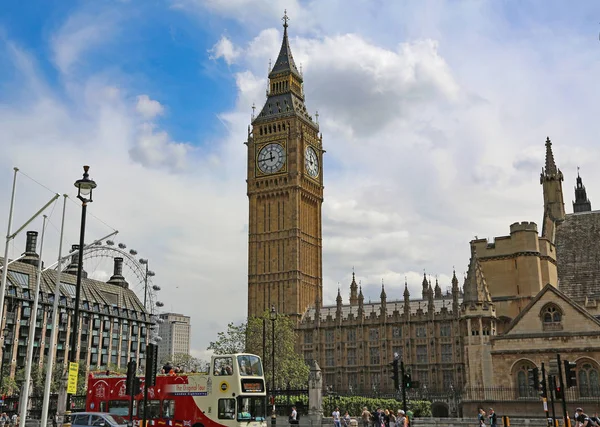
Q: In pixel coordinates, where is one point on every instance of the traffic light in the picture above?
(396, 374)
(534, 378)
(129, 384)
(555, 385)
(570, 374)
(151, 364)
(543, 388)
(407, 381)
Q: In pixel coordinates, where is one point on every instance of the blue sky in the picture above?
(434, 116)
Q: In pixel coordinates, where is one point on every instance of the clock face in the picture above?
(271, 158)
(311, 162)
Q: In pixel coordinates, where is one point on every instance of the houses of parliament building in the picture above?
(526, 296)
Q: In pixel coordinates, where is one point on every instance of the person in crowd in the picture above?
(366, 417)
(581, 418)
(336, 417)
(294, 416)
(493, 418)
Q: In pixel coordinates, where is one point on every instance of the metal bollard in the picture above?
(67, 419)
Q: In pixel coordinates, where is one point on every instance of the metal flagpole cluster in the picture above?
(57, 292)
(10, 237)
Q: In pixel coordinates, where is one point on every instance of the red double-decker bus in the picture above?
(232, 393)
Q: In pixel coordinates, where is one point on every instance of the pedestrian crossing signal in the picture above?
(407, 381)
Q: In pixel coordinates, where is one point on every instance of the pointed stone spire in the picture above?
(437, 290)
(455, 294)
(581, 203)
(285, 94)
(554, 206)
(406, 299)
(550, 169)
(285, 61)
(475, 289)
(361, 303)
(353, 290)
(425, 286)
(338, 300)
(383, 297)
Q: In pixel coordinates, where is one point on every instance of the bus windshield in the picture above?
(250, 365)
(251, 408)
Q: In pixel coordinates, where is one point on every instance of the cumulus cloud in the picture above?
(154, 148)
(225, 49)
(148, 108)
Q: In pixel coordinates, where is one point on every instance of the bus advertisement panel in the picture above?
(232, 393)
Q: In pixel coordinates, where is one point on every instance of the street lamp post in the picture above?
(84, 193)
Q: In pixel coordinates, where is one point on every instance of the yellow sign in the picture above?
(224, 386)
(73, 373)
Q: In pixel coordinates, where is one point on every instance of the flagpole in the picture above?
(32, 322)
(53, 331)
(7, 247)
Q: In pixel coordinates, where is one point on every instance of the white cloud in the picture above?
(148, 108)
(81, 33)
(434, 130)
(225, 49)
(156, 149)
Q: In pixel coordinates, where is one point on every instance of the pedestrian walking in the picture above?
(366, 417)
(336, 417)
(492, 417)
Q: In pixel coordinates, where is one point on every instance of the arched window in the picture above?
(589, 384)
(551, 317)
(522, 380)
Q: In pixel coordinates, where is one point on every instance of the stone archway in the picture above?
(440, 410)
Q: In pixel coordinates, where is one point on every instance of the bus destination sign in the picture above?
(252, 385)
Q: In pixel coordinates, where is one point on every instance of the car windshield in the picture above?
(116, 419)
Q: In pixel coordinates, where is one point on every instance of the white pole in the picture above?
(32, 321)
(6, 248)
(53, 331)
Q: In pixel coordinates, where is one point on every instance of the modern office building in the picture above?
(175, 333)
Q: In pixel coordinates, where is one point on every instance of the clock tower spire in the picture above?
(285, 193)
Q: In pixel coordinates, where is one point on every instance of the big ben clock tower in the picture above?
(285, 192)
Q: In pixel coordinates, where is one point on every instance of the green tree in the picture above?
(185, 361)
(231, 341)
(290, 368)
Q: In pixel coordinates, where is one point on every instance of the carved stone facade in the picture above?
(463, 339)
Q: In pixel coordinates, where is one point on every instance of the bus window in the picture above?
(103, 406)
(250, 365)
(251, 408)
(168, 408)
(118, 407)
(223, 366)
(226, 409)
(153, 409)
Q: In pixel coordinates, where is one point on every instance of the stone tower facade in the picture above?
(285, 191)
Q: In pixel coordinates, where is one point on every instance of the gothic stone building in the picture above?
(525, 296)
